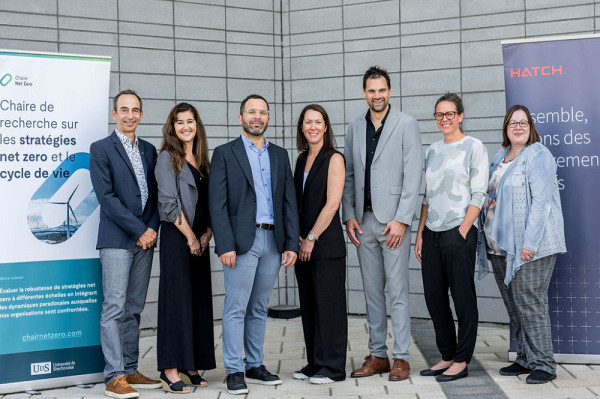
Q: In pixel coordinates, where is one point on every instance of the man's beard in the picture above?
(384, 106)
(254, 131)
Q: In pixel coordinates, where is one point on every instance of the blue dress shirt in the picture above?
(261, 175)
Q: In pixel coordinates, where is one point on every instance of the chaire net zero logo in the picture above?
(6, 79)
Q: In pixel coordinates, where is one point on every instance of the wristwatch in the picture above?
(312, 237)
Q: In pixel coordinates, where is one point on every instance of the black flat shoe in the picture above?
(453, 377)
(173, 387)
(514, 369)
(432, 373)
(192, 379)
(539, 377)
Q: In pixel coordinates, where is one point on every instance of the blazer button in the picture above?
(253, 220)
(253, 199)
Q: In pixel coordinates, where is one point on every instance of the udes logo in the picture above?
(6, 79)
(41, 368)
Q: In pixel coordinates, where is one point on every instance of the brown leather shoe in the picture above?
(372, 365)
(400, 370)
(139, 380)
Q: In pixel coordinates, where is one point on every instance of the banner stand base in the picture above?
(566, 358)
(61, 382)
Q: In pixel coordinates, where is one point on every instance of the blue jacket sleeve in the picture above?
(110, 204)
(290, 210)
(217, 204)
(541, 176)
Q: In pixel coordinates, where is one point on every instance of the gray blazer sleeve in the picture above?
(412, 155)
(348, 211)
(169, 203)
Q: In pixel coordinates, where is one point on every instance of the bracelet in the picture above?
(189, 244)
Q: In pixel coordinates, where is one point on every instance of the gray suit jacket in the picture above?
(169, 207)
(395, 172)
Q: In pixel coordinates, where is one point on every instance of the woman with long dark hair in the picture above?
(185, 337)
(321, 266)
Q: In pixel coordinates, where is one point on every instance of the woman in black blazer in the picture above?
(321, 266)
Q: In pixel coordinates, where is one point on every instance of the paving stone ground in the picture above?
(284, 353)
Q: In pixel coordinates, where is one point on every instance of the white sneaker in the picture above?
(320, 379)
(299, 375)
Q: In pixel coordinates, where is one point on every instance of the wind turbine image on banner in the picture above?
(69, 212)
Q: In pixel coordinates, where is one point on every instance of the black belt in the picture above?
(264, 226)
(368, 208)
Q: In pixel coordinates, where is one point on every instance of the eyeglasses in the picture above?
(254, 112)
(522, 123)
(440, 115)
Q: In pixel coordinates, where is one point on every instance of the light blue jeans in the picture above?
(125, 277)
(248, 287)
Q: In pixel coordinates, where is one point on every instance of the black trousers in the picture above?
(448, 262)
(322, 291)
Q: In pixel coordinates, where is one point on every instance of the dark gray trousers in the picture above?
(526, 300)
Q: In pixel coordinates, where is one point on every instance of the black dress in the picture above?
(322, 280)
(185, 336)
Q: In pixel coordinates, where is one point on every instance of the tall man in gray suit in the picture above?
(384, 163)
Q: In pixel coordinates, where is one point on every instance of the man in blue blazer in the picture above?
(252, 203)
(122, 173)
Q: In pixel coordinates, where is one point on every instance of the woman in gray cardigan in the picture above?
(185, 339)
(522, 234)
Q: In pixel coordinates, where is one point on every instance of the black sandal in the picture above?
(173, 387)
(194, 380)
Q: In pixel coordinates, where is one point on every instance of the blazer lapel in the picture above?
(360, 139)
(313, 169)
(119, 146)
(388, 128)
(240, 153)
(145, 158)
(274, 162)
(186, 175)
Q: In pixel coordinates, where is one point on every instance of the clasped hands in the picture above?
(148, 239)
(288, 259)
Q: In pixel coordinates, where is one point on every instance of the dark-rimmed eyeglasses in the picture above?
(440, 115)
(523, 123)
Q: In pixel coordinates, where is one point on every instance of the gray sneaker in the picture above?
(299, 375)
(320, 379)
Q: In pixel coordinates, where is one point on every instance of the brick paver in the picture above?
(284, 353)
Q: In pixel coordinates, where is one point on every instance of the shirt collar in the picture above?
(250, 143)
(126, 140)
(368, 116)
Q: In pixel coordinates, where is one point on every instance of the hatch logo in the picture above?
(6, 79)
(41, 368)
(528, 72)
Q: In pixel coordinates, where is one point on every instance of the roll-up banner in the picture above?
(52, 107)
(558, 79)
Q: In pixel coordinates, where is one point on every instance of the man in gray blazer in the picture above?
(384, 163)
(252, 202)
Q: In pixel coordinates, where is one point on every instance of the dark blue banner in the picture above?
(559, 81)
